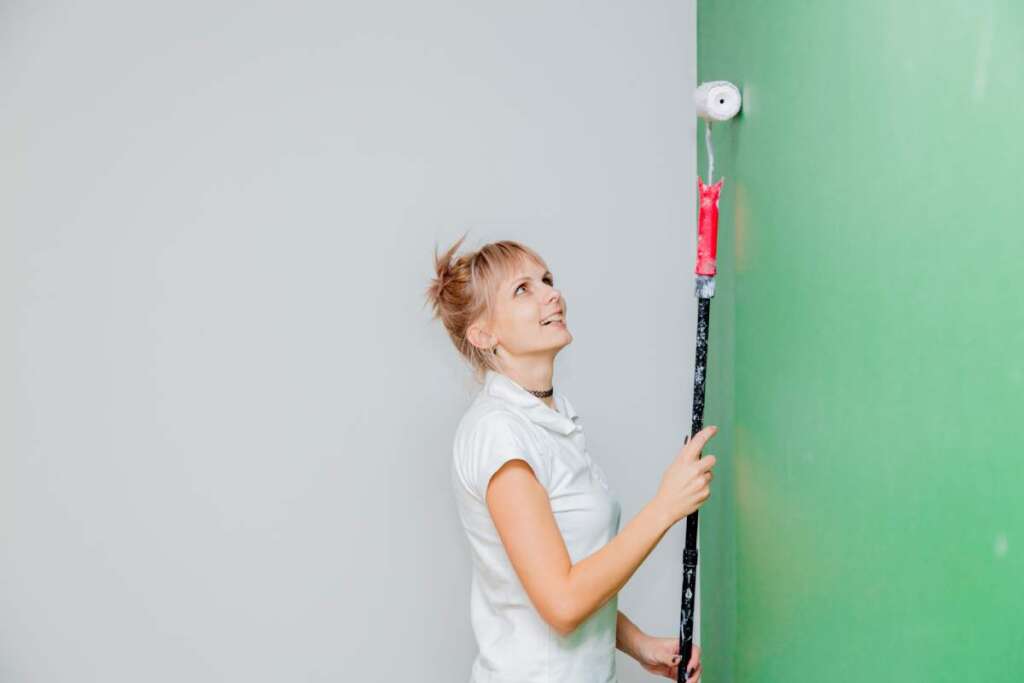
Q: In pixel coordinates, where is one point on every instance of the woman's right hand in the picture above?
(686, 483)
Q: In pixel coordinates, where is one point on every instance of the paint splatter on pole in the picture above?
(704, 290)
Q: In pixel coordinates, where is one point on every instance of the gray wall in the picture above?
(229, 420)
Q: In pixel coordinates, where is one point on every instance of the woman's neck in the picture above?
(534, 377)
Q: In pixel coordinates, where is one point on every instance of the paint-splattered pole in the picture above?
(715, 101)
(704, 289)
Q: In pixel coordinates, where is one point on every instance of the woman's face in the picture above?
(529, 313)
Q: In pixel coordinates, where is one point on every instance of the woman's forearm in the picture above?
(628, 636)
(595, 579)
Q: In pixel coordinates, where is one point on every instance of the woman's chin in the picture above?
(568, 340)
(559, 342)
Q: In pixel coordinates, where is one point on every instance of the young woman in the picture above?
(543, 526)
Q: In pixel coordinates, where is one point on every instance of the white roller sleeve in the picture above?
(717, 100)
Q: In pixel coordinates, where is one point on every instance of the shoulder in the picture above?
(485, 419)
(487, 437)
(488, 411)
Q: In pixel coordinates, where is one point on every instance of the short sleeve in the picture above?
(497, 438)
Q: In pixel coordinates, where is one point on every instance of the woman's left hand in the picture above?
(661, 656)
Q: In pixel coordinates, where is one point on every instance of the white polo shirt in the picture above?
(516, 645)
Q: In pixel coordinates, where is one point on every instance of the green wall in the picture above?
(867, 343)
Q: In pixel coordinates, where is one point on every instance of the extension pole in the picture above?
(704, 290)
(715, 101)
(690, 550)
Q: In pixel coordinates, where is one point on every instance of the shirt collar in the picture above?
(504, 387)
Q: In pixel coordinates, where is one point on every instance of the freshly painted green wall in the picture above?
(867, 343)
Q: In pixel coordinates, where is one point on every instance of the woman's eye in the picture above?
(550, 281)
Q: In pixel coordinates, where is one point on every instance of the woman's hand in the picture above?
(661, 656)
(686, 484)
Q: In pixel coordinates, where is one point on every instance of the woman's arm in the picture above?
(565, 594)
(657, 655)
(628, 636)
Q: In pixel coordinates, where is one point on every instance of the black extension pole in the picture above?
(690, 550)
(704, 289)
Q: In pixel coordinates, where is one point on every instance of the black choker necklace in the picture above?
(542, 394)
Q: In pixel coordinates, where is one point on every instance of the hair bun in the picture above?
(444, 268)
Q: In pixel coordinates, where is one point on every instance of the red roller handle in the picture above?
(707, 227)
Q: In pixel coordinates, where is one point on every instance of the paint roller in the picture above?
(715, 101)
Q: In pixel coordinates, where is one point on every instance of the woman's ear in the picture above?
(480, 338)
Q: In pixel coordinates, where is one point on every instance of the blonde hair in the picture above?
(463, 292)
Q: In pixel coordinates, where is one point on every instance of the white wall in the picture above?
(226, 451)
